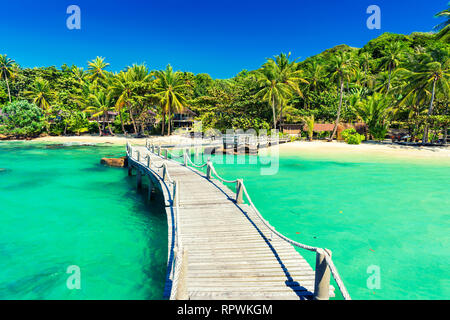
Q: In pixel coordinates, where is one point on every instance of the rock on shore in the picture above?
(115, 162)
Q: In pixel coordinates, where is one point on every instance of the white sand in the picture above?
(111, 139)
(364, 149)
(328, 149)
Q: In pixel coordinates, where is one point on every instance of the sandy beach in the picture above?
(365, 149)
(326, 149)
(116, 140)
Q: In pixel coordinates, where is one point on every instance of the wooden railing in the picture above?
(324, 262)
(180, 261)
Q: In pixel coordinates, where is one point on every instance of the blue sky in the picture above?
(216, 37)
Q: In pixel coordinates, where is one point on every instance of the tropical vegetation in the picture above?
(395, 82)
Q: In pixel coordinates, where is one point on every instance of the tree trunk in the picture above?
(389, 81)
(132, 120)
(274, 114)
(163, 123)
(168, 124)
(339, 111)
(7, 85)
(121, 122)
(281, 118)
(109, 125)
(99, 127)
(430, 112)
(444, 135)
(104, 121)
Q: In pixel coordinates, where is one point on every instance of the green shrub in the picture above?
(352, 137)
(22, 119)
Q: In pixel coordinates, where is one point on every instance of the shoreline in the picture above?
(320, 148)
(374, 150)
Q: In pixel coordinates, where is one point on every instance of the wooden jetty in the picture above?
(220, 247)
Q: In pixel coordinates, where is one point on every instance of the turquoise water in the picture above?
(370, 211)
(60, 207)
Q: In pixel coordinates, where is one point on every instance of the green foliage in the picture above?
(393, 79)
(352, 137)
(22, 119)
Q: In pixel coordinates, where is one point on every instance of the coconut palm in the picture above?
(41, 94)
(169, 92)
(392, 57)
(342, 68)
(278, 80)
(431, 77)
(374, 112)
(79, 74)
(100, 105)
(315, 74)
(309, 121)
(365, 59)
(6, 67)
(443, 14)
(96, 70)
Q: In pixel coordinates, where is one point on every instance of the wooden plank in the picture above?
(231, 253)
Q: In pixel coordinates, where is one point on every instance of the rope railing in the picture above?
(179, 267)
(242, 189)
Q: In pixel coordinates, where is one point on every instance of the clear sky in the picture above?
(216, 37)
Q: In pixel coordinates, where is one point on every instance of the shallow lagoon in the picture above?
(60, 207)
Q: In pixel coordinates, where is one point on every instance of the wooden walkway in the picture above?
(226, 250)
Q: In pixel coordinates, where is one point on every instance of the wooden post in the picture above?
(159, 150)
(175, 193)
(153, 148)
(182, 293)
(138, 156)
(164, 172)
(150, 188)
(208, 170)
(239, 191)
(165, 153)
(322, 280)
(185, 154)
(139, 179)
(148, 161)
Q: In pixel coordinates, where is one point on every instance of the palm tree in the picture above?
(96, 70)
(100, 104)
(431, 77)
(41, 94)
(392, 57)
(342, 68)
(374, 113)
(169, 92)
(315, 75)
(365, 59)
(309, 120)
(6, 66)
(444, 14)
(278, 79)
(122, 90)
(80, 74)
